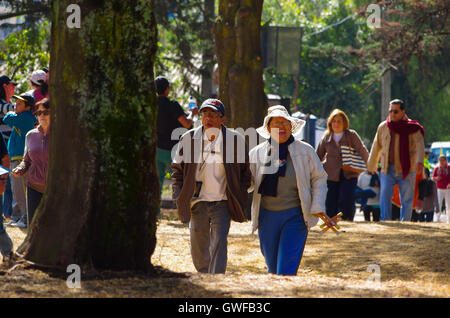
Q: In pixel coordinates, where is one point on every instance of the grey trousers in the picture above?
(209, 227)
(18, 187)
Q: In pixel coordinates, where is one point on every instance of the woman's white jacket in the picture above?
(311, 178)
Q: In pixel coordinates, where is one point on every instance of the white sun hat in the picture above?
(280, 111)
(38, 75)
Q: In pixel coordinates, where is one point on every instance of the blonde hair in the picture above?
(337, 112)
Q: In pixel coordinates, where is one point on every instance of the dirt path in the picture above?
(412, 261)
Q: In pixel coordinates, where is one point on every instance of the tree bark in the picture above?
(99, 206)
(208, 53)
(238, 46)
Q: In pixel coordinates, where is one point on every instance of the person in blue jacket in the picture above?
(21, 121)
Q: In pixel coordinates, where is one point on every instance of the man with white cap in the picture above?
(211, 176)
(290, 187)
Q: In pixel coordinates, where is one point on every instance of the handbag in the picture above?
(351, 160)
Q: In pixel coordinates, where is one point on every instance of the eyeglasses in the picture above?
(395, 111)
(210, 115)
(42, 112)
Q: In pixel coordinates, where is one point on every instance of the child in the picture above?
(371, 203)
(427, 202)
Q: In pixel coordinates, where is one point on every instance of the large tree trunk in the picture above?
(100, 202)
(208, 52)
(238, 47)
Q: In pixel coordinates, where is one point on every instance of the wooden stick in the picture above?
(334, 228)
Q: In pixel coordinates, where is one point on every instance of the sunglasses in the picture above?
(42, 112)
(395, 111)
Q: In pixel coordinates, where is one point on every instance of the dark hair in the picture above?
(43, 87)
(398, 102)
(45, 102)
(161, 84)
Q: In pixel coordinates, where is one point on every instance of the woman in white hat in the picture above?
(39, 85)
(290, 187)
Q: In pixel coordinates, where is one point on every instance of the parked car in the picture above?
(437, 148)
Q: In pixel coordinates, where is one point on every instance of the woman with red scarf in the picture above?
(399, 145)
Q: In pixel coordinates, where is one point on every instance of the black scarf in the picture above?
(269, 183)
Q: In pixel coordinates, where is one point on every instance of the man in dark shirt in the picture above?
(170, 117)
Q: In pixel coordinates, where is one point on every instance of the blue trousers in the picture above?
(406, 189)
(6, 244)
(7, 200)
(282, 237)
(363, 195)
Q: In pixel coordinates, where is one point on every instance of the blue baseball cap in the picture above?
(214, 104)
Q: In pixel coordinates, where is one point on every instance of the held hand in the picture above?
(194, 111)
(16, 172)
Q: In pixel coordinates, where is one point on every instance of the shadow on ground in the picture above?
(31, 281)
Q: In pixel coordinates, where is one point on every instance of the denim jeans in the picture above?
(7, 199)
(406, 189)
(363, 195)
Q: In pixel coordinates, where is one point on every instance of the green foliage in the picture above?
(24, 51)
(185, 36)
(341, 66)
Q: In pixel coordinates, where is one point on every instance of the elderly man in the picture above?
(399, 143)
(212, 175)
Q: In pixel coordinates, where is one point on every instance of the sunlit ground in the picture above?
(389, 259)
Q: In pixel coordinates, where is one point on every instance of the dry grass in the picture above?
(413, 259)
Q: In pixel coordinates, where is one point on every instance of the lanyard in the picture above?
(209, 151)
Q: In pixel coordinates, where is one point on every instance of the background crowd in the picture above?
(24, 151)
(306, 185)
